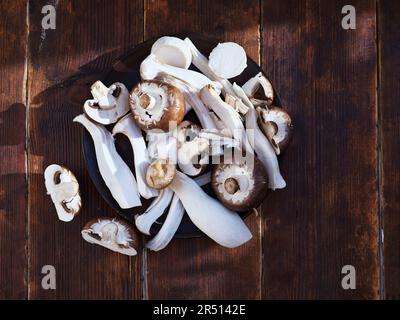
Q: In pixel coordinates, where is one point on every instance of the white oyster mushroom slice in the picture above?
(116, 174)
(128, 127)
(173, 220)
(227, 60)
(109, 104)
(172, 51)
(221, 224)
(63, 188)
(150, 68)
(154, 211)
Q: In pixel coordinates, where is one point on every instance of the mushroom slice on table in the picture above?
(63, 188)
(116, 174)
(173, 219)
(112, 233)
(157, 105)
(150, 68)
(209, 215)
(227, 60)
(240, 186)
(277, 126)
(109, 104)
(252, 89)
(128, 127)
(172, 51)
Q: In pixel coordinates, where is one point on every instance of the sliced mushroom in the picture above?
(252, 89)
(128, 127)
(227, 60)
(114, 171)
(63, 188)
(160, 174)
(276, 126)
(193, 156)
(209, 215)
(156, 104)
(187, 131)
(112, 233)
(192, 98)
(109, 104)
(240, 186)
(172, 51)
(150, 68)
(173, 220)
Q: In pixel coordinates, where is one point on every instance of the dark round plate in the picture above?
(126, 70)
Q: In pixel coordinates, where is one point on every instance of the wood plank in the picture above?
(63, 64)
(389, 96)
(199, 268)
(327, 217)
(13, 184)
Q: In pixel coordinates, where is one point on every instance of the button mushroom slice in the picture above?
(192, 97)
(160, 173)
(209, 215)
(187, 131)
(63, 188)
(109, 104)
(227, 60)
(145, 220)
(157, 105)
(228, 116)
(114, 171)
(128, 127)
(276, 126)
(150, 68)
(172, 51)
(173, 219)
(240, 186)
(112, 233)
(193, 156)
(252, 89)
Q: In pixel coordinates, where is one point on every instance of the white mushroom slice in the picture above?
(191, 96)
(114, 171)
(220, 125)
(172, 51)
(162, 145)
(227, 60)
(265, 152)
(109, 104)
(112, 233)
(154, 211)
(193, 156)
(254, 84)
(201, 63)
(128, 127)
(218, 142)
(150, 68)
(63, 188)
(228, 116)
(173, 220)
(209, 215)
(187, 131)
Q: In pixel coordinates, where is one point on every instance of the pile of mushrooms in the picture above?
(234, 146)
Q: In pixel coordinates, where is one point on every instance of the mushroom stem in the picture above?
(128, 127)
(209, 215)
(114, 171)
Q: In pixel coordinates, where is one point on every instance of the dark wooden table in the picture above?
(340, 86)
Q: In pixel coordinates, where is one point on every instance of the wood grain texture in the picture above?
(13, 185)
(327, 217)
(389, 97)
(63, 64)
(199, 268)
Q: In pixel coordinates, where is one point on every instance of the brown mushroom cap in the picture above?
(160, 174)
(277, 126)
(112, 233)
(155, 104)
(240, 187)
